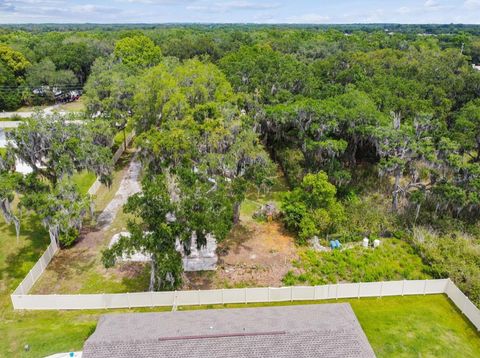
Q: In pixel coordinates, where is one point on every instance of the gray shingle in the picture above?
(326, 330)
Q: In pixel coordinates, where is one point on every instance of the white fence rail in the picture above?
(21, 300)
(36, 271)
(463, 303)
(234, 295)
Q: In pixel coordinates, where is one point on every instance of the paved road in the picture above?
(46, 110)
(9, 124)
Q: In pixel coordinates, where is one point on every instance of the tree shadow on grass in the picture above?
(235, 239)
(137, 277)
(32, 243)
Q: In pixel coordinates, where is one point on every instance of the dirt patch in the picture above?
(254, 254)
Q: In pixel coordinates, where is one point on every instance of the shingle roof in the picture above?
(324, 330)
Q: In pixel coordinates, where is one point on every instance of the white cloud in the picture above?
(403, 10)
(472, 4)
(228, 6)
(432, 4)
(94, 9)
(308, 19)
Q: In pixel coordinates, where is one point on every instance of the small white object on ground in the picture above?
(365, 242)
(376, 243)
(315, 244)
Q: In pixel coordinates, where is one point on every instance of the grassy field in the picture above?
(84, 180)
(394, 259)
(415, 326)
(76, 106)
(32, 108)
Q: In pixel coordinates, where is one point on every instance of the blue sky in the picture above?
(239, 11)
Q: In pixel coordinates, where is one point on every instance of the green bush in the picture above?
(312, 208)
(68, 238)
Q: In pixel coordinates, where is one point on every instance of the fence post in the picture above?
(315, 293)
(291, 293)
(359, 287)
(403, 287)
(381, 289)
(269, 294)
(336, 292)
(198, 298)
(245, 291)
(425, 288)
(104, 301)
(151, 299)
(223, 299)
(31, 277)
(128, 301)
(462, 305)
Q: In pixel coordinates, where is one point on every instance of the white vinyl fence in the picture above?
(36, 271)
(249, 295)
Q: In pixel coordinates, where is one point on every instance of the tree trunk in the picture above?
(152, 275)
(417, 212)
(396, 187)
(236, 213)
(353, 154)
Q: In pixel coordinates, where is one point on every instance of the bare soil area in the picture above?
(254, 254)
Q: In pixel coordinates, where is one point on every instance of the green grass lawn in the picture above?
(32, 108)
(84, 180)
(79, 269)
(255, 199)
(76, 106)
(414, 326)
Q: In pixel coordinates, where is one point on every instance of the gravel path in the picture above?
(128, 186)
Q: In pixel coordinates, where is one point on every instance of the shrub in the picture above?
(68, 238)
(312, 208)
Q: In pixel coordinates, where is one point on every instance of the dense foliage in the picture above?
(55, 149)
(213, 106)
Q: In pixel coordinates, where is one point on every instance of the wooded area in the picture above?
(376, 129)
